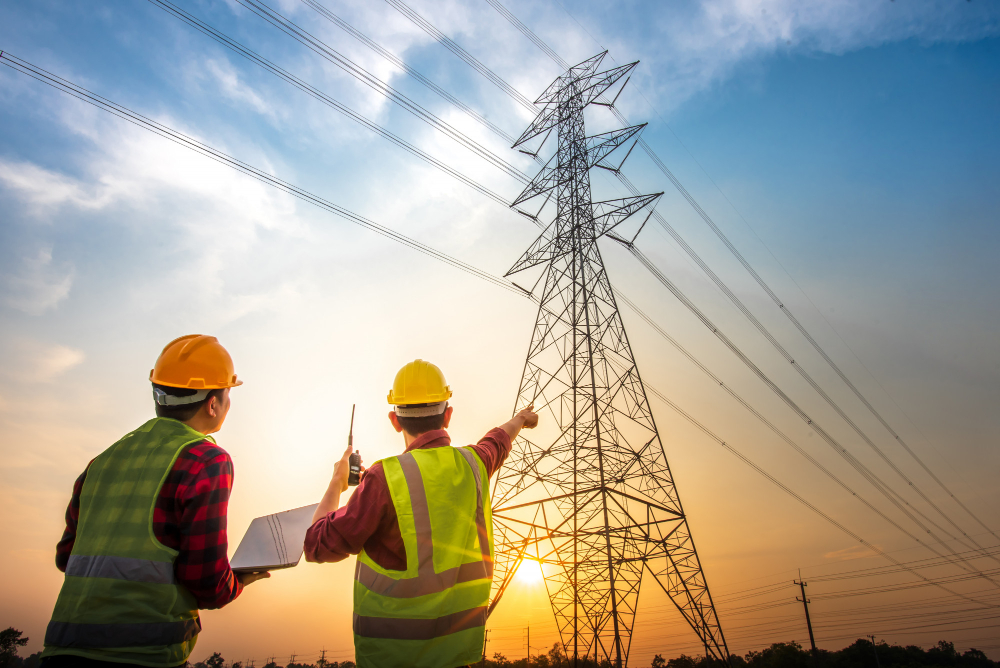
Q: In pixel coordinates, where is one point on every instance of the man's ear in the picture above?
(447, 416)
(212, 406)
(395, 422)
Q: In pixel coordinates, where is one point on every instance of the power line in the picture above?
(65, 86)
(464, 55)
(788, 358)
(367, 78)
(398, 62)
(325, 99)
(858, 466)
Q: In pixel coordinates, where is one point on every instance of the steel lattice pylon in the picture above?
(595, 501)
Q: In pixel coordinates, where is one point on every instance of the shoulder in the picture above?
(205, 451)
(204, 458)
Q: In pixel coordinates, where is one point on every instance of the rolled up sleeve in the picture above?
(345, 531)
(493, 449)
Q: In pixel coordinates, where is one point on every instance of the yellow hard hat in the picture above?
(195, 361)
(419, 382)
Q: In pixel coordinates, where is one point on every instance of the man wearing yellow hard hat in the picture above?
(421, 526)
(145, 544)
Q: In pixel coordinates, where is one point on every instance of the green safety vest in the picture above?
(433, 614)
(120, 600)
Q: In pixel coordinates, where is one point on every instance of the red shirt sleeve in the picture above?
(65, 545)
(493, 449)
(345, 531)
(191, 517)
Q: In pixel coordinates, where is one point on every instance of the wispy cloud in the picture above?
(230, 85)
(44, 190)
(34, 362)
(38, 285)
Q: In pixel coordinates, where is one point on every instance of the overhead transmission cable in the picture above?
(856, 464)
(401, 64)
(791, 360)
(462, 54)
(527, 32)
(763, 419)
(325, 99)
(70, 88)
(325, 51)
(770, 478)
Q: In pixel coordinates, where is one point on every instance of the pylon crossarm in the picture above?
(582, 69)
(611, 213)
(592, 87)
(601, 146)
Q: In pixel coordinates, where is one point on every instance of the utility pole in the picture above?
(292, 659)
(875, 649)
(322, 658)
(486, 639)
(595, 493)
(805, 604)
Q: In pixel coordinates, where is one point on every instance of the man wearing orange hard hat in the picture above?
(420, 524)
(145, 544)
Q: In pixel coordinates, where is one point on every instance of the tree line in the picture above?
(861, 654)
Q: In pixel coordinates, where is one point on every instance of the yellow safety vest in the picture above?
(120, 600)
(433, 614)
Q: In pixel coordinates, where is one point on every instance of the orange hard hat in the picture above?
(195, 361)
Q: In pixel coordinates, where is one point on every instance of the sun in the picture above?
(529, 572)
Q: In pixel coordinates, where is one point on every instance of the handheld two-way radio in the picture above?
(354, 477)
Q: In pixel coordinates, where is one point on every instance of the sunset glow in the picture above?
(530, 572)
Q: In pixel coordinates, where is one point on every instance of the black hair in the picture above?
(414, 426)
(184, 412)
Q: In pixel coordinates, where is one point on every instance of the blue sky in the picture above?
(853, 144)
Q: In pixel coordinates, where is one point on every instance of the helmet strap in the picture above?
(164, 399)
(421, 410)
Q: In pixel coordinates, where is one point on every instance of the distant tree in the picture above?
(500, 661)
(236, 664)
(658, 662)
(684, 661)
(215, 661)
(269, 664)
(10, 640)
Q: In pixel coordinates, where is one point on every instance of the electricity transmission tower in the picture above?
(592, 497)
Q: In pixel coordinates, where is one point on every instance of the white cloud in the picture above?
(34, 362)
(38, 285)
(55, 361)
(700, 46)
(230, 85)
(44, 190)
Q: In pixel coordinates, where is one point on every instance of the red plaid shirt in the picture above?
(190, 517)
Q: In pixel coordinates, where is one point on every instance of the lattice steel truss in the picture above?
(592, 498)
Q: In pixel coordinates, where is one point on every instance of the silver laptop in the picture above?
(273, 541)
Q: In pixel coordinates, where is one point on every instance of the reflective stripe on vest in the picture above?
(427, 581)
(67, 634)
(419, 629)
(120, 568)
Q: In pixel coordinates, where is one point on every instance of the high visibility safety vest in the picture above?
(120, 600)
(433, 614)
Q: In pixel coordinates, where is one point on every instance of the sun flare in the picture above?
(530, 572)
